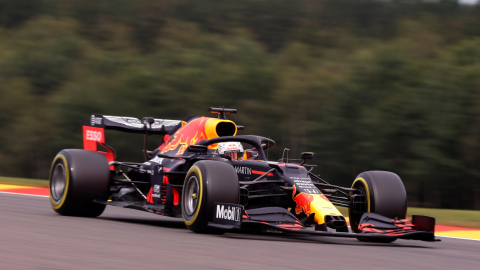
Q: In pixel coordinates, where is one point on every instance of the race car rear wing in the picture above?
(131, 124)
(94, 129)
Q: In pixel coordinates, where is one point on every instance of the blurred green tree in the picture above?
(389, 85)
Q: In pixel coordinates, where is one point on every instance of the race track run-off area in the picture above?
(33, 236)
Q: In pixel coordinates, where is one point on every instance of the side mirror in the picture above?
(306, 156)
(197, 148)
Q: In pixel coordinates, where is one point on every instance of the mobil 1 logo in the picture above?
(228, 214)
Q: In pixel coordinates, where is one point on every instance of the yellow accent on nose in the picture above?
(321, 206)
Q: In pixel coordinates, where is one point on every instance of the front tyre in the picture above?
(384, 195)
(77, 177)
(207, 182)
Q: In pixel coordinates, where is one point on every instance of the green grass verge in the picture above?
(450, 217)
(23, 182)
(447, 217)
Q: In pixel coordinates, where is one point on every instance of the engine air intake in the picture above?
(226, 129)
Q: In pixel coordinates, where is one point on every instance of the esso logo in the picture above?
(95, 136)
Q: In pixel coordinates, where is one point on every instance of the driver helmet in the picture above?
(231, 149)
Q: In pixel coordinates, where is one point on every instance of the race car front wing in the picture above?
(373, 227)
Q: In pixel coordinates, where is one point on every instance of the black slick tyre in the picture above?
(77, 177)
(207, 182)
(385, 195)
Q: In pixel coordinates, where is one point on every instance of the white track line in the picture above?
(24, 194)
(461, 238)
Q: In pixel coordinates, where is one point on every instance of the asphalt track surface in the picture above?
(33, 236)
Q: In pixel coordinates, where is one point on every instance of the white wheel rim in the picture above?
(191, 195)
(58, 183)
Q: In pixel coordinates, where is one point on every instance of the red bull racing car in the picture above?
(218, 181)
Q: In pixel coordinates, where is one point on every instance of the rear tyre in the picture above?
(77, 177)
(207, 182)
(385, 195)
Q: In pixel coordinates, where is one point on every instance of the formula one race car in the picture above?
(218, 181)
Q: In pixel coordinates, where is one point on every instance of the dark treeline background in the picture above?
(385, 85)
